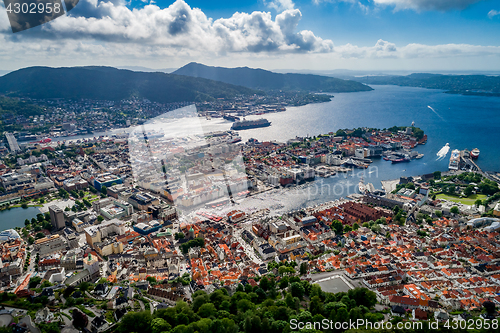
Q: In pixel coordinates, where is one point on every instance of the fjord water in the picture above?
(462, 121)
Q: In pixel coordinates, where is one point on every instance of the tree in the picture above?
(100, 218)
(39, 218)
(469, 190)
(179, 235)
(303, 268)
(159, 325)
(207, 310)
(84, 286)
(438, 213)
(24, 206)
(39, 235)
(437, 174)
(316, 305)
(31, 240)
(355, 226)
(151, 279)
(26, 222)
(264, 283)
(454, 210)
(297, 289)
(283, 269)
(136, 322)
(488, 187)
(283, 282)
(478, 202)
(80, 319)
(244, 305)
(337, 227)
(104, 190)
(34, 281)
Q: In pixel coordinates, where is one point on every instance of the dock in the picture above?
(468, 163)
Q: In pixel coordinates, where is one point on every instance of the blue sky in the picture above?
(410, 35)
(346, 22)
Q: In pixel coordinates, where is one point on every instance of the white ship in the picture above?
(454, 160)
(361, 186)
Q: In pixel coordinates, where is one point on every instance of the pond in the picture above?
(9, 219)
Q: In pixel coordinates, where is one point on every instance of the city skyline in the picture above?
(408, 35)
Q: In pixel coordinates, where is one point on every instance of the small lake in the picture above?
(9, 219)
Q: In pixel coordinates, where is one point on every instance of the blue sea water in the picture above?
(462, 121)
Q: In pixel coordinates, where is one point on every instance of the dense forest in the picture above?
(267, 307)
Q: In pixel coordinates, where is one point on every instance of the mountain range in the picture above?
(107, 83)
(191, 83)
(484, 85)
(266, 80)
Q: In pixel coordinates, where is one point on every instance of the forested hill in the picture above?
(457, 84)
(107, 83)
(266, 80)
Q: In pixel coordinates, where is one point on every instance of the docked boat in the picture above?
(454, 160)
(230, 118)
(474, 153)
(400, 160)
(248, 124)
(361, 186)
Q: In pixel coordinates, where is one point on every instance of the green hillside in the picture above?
(266, 80)
(106, 83)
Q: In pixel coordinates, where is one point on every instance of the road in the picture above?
(30, 324)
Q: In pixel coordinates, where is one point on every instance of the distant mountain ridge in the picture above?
(266, 80)
(108, 83)
(483, 85)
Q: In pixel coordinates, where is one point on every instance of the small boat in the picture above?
(474, 153)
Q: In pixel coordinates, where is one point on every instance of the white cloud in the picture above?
(492, 13)
(280, 5)
(384, 49)
(108, 33)
(419, 5)
(184, 28)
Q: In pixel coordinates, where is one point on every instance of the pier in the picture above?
(467, 162)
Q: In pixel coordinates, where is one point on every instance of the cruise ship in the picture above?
(454, 160)
(247, 124)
